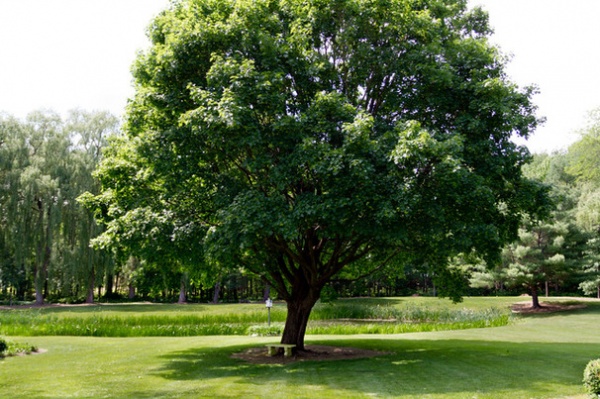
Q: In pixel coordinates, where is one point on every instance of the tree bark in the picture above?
(216, 294)
(90, 291)
(109, 285)
(182, 296)
(299, 307)
(298, 313)
(535, 301)
(39, 296)
(133, 264)
(44, 253)
(131, 293)
(42, 276)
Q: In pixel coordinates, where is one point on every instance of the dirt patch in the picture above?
(19, 354)
(312, 352)
(526, 308)
(69, 305)
(45, 305)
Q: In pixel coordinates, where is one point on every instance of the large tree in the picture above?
(45, 163)
(296, 138)
(536, 258)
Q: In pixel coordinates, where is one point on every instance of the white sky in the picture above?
(64, 54)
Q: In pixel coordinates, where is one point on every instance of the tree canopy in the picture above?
(296, 138)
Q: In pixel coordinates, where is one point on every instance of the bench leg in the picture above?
(272, 350)
(287, 351)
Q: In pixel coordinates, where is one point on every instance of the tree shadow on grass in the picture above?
(414, 368)
(577, 308)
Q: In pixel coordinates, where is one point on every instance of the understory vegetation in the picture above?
(11, 348)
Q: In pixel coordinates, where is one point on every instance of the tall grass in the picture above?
(387, 319)
(30, 323)
(339, 318)
(408, 313)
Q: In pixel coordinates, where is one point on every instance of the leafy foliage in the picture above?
(591, 378)
(11, 348)
(299, 139)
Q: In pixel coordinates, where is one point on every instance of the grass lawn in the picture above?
(538, 356)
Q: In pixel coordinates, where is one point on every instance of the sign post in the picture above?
(269, 304)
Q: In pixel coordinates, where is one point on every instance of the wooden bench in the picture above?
(274, 348)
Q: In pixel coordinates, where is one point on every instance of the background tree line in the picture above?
(560, 254)
(47, 163)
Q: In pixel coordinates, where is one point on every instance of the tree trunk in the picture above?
(299, 305)
(90, 291)
(39, 296)
(535, 301)
(42, 276)
(131, 293)
(182, 296)
(89, 298)
(133, 264)
(109, 285)
(547, 289)
(216, 294)
(298, 313)
(117, 282)
(44, 252)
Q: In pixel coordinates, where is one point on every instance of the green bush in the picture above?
(591, 378)
(3, 346)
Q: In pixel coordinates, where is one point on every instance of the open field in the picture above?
(535, 356)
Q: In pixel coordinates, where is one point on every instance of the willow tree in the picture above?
(88, 133)
(299, 138)
(37, 157)
(45, 164)
(13, 158)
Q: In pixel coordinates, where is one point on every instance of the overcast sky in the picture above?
(63, 54)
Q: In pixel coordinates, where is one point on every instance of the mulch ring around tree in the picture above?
(313, 352)
(546, 307)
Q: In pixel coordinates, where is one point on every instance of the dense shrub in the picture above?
(591, 378)
(3, 346)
